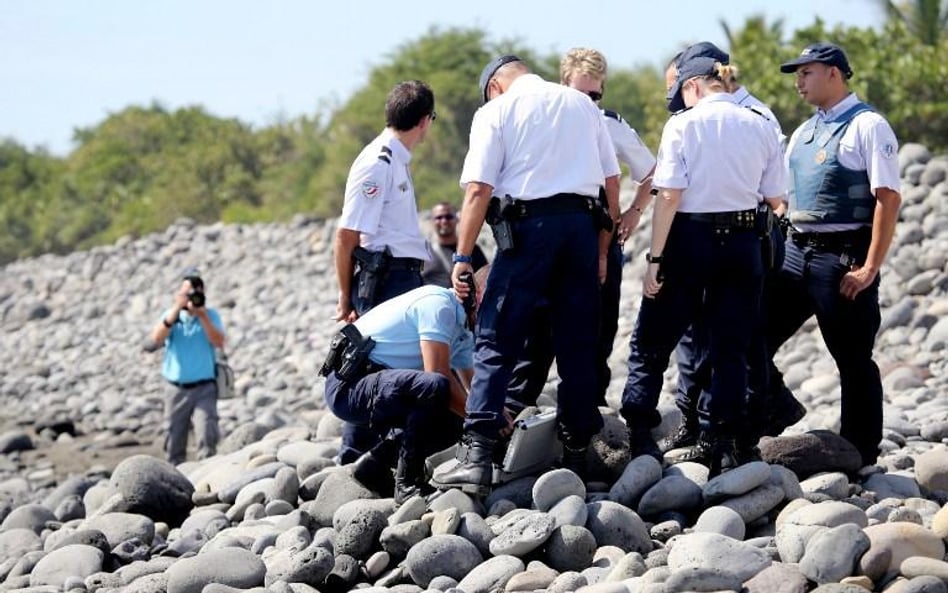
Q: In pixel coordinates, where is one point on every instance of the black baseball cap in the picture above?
(703, 49)
(490, 69)
(825, 53)
(699, 66)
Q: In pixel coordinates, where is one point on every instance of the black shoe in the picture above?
(719, 454)
(685, 436)
(574, 459)
(641, 442)
(785, 411)
(374, 472)
(474, 471)
(410, 480)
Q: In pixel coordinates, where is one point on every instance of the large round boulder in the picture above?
(154, 488)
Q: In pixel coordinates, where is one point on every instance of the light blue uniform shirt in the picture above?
(189, 355)
(430, 313)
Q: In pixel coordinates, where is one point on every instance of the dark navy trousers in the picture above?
(555, 261)
(694, 367)
(809, 285)
(357, 440)
(713, 278)
(414, 402)
(529, 375)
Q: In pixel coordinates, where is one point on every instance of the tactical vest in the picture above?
(823, 190)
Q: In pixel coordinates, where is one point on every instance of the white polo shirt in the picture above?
(745, 99)
(539, 139)
(725, 157)
(380, 200)
(868, 144)
(628, 146)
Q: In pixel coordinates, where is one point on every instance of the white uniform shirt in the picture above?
(539, 139)
(868, 144)
(628, 146)
(745, 99)
(725, 157)
(380, 200)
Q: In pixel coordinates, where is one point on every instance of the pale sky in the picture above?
(69, 63)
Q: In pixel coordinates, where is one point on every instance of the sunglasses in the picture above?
(594, 95)
(444, 217)
(433, 115)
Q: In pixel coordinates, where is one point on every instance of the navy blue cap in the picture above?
(825, 53)
(490, 69)
(699, 66)
(703, 49)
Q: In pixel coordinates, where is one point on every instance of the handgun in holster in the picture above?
(348, 354)
(500, 214)
(373, 266)
(601, 215)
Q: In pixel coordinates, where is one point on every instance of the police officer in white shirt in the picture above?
(716, 162)
(772, 412)
(379, 247)
(844, 204)
(585, 70)
(546, 147)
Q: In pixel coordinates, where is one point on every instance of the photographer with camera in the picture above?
(190, 332)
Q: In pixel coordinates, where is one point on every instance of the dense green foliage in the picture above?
(144, 167)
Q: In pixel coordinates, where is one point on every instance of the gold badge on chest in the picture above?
(820, 157)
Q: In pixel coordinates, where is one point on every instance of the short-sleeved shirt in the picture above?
(628, 146)
(430, 313)
(189, 355)
(868, 144)
(380, 200)
(745, 99)
(723, 156)
(539, 139)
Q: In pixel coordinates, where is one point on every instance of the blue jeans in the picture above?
(555, 261)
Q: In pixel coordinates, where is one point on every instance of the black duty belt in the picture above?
(555, 204)
(193, 384)
(736, 219)
(833, 242)
(407, 264)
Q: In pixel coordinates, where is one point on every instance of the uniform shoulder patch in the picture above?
(370, 188)
(887, 149)
(612, 115)
(385, 155)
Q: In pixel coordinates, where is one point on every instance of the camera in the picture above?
(196, 298)
(469, 301)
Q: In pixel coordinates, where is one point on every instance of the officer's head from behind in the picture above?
(822, 71)
(497, 76)
(697, 78)
(409, 110)
(703, 49)
(585, 70)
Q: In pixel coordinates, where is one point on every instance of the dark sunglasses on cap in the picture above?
(594, 95)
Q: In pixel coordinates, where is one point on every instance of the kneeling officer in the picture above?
(403, 367)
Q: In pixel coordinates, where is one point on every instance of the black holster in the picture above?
(348, 354)
(764, 224)
(373, 266)
(500, 216)
(602, 218)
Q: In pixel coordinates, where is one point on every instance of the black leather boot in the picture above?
(783, 411)
(641, 442)
(686, 435)
(574, 458)
(410, 479)
(474, 470)
(719, 453)
(373, 469)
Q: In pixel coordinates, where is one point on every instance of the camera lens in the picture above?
(196, 298)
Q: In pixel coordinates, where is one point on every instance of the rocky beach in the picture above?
(88, 505)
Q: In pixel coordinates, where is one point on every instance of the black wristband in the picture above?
(164, 320)
(657, 259)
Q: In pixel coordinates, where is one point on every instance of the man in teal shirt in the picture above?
(190, 332)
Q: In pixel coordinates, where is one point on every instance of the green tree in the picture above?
(925, 19)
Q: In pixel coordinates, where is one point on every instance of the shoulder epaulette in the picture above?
(757, 111)
(612, 114)
(386, 154)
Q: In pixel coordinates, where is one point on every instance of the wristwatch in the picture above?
(653, 259)
(461, 259)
